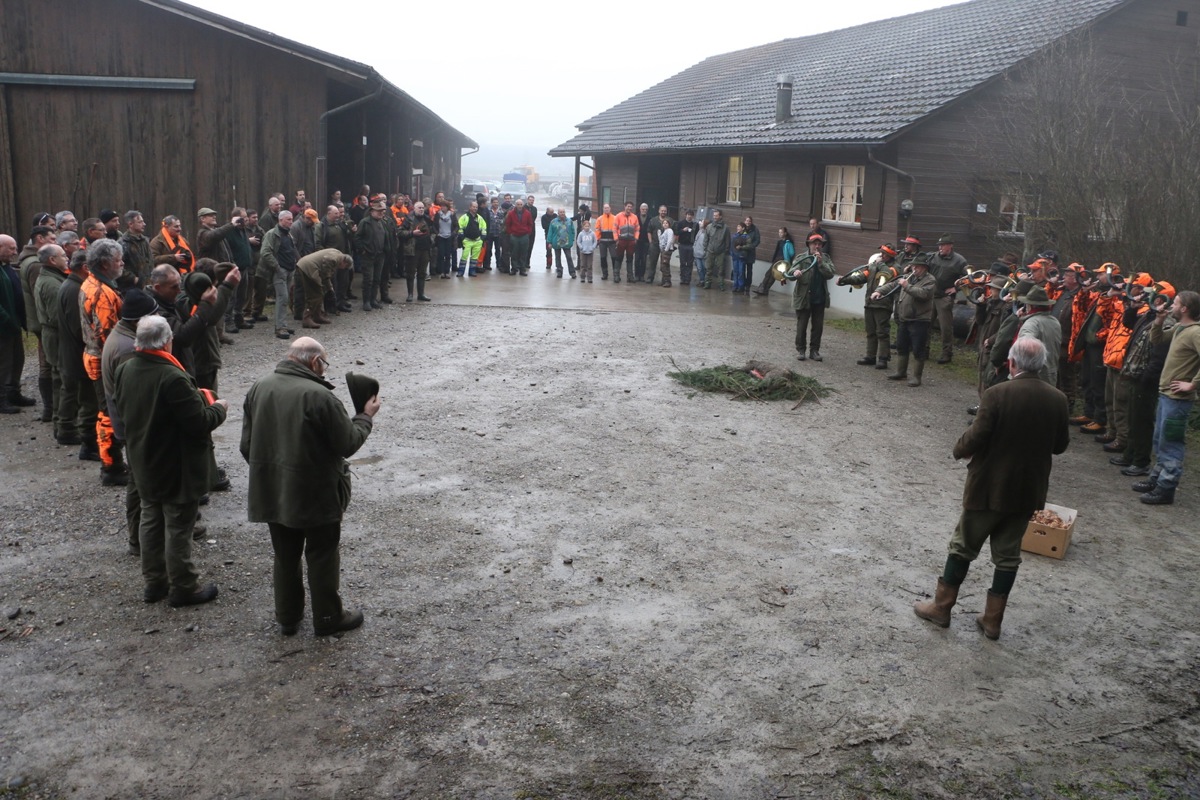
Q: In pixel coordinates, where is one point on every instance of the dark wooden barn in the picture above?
(167, 108)
(869, 117)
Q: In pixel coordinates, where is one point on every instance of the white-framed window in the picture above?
(1015, 209)
(843, 194)
(733, 180)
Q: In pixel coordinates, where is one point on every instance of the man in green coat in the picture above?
(53, 273)
(810, 295)
(168, 430)
(914, 310)
(296, 437)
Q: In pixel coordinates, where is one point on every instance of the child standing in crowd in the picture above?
(586, 242)
(666, 246)
(701, 238)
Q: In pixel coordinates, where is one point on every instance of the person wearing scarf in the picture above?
(169, 247)
(168, 429)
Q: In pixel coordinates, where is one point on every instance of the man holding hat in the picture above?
(946, 267)
(296, 437)
(1038, 322)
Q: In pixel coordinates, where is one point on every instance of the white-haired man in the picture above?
(1020, 424)
(168, 429)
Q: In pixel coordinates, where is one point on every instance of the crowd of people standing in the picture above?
(112, 308)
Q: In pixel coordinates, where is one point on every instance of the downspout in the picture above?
(912, 183)
(323, 137)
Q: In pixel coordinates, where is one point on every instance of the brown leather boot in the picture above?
(937, 610)
(307, 320)
(993, 614)
(321, 317)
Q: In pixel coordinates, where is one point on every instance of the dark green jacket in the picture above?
(915, 302)
(296, 437)
(168, 429)
(45, 299)
(29, 270)
(70, 329)
(878, 270)
(138, 259)
(372, 236)
(803, 286)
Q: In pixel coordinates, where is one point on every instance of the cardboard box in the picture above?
(1047, 541)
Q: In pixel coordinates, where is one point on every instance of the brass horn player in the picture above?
(810, 274)
(914, 313)
(857, 277)
(877, 308)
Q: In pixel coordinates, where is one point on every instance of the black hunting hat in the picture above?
(945, 238)
(1000, 268)
(223, 270)
(196, 283)
(137, 304)
(362, 388)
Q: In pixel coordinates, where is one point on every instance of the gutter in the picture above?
(96, 81)
(912, 192)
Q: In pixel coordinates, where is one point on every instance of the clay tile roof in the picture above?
(858, 85)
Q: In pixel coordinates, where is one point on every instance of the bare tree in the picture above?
(1095, 165)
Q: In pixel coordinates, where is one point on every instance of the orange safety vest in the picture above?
(628, 226)
(179, 247)
(99, 311)
(606, 223)
(1081, 306)
(1118, 336)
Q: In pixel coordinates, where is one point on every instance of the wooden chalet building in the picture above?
(853, 125)
(166, 108)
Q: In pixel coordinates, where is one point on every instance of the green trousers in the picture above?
(1002, 529)
(165, 535)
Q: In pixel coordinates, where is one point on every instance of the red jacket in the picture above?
(519, 222)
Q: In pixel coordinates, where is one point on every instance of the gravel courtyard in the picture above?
(583, 580)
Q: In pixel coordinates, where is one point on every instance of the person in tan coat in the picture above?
(1020, 424)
